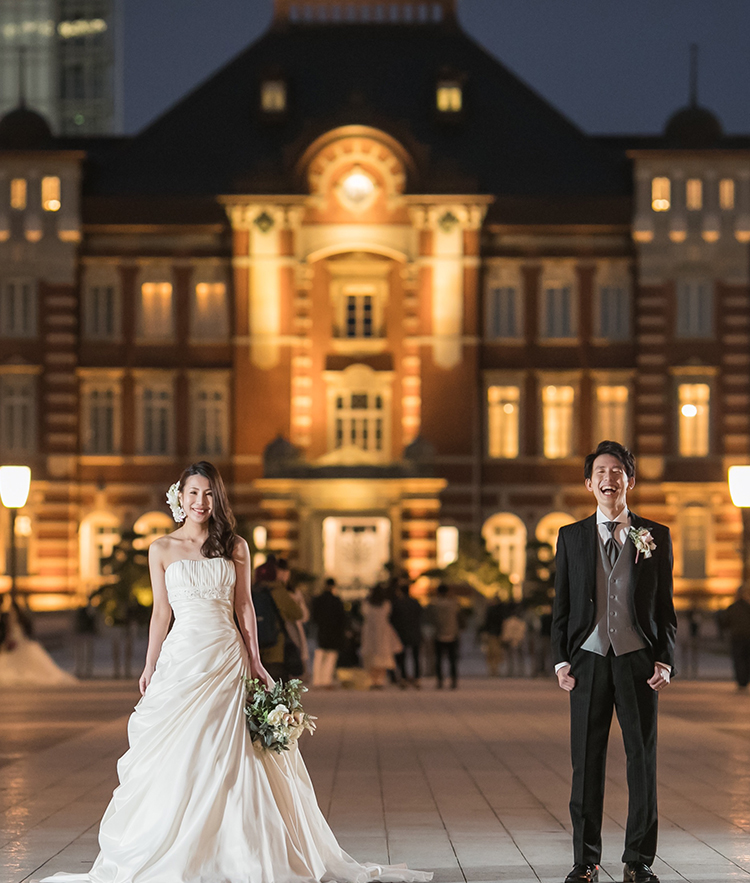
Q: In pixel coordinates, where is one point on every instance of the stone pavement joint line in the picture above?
(472, 784)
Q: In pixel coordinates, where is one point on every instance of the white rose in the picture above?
(277, 715)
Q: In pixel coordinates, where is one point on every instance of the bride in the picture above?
(196, 802)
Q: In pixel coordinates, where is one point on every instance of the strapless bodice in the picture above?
(209, 579)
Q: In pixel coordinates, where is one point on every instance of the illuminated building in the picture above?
(387, 288)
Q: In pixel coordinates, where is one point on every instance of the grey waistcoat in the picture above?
(614, 627)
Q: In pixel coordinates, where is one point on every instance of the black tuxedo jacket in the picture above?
(574, 609)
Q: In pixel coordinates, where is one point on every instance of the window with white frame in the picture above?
(359, 292)
(612, 412)
(694, 402)
(156, 417)
(18, 308)
(695, 308)
(661, 194)
(557, 418)
(503, 420)
(613, 311)
(101, 320)
(99, 535)
(210, 313)
(359, 421)
(150, 527)
(558, 316)
(359, 314)
(503, 312)
(157, 319)
(210, 417)
(18, 416)
(504, 535)
(101, 416)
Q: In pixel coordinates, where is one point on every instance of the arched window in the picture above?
(505, 536)
(549, 527)
(99, 533)
(151, 526)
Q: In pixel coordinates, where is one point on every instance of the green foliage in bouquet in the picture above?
(275, 717)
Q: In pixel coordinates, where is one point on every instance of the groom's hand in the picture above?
(565, 679)
(660, 678)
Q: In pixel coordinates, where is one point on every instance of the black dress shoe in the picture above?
(638, 872)
(582, 873)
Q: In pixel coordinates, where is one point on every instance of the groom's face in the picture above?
(609, 483)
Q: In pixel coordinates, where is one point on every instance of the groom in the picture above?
(613, 636)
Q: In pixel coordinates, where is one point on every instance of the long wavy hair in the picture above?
(222, 525)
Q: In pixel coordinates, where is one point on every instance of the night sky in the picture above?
(614, 66)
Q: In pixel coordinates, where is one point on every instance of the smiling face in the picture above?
(197, 499)
(610, 484)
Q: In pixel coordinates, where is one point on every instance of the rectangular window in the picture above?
(694, 194)
(51, 193)
(660, 194)
(359, 421)
(210, 311)
(210, 421)
(156, 419)
(694, 414)
(359, 320)
(156, 311)
(17, 414)
(273, 96)
(695, 309)
(694, 533)
(557, 318)
(557, 417)
(18, 309)
(726, 194)
(503, 313)
(503, 419)
(101, 319)
(18, 194)
(612, 413)
(101, 419)
(614, 312)
(449, 96)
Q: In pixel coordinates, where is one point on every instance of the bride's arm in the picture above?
(161, 614)
(245, 610)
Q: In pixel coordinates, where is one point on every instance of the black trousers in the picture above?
(412, 649)
(449, 649)
(604, 683)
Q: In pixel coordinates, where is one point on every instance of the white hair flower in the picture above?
(173, 498)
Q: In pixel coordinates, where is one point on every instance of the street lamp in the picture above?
(739, 489)
(15, 482)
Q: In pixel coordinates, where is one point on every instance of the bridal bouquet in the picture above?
(275, 717)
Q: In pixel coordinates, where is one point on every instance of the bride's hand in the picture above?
(258, 671)
(145, 678)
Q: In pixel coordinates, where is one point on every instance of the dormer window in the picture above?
(660, 194)
(51, 193)
(694, 194)
(449, 96)
(273, 96)
(726, 194)
(18, 194)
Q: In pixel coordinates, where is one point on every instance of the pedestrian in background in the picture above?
(512, 638)
(84, 633)
(736, 620)
(380, 643)
(490, 632)
(445, 615)
(274, 607)
(406, 618)
(329, 617)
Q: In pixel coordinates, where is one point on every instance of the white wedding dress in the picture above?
(197, 803)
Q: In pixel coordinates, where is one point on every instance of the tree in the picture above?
(477, 568)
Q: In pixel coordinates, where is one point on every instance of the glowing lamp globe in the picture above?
(739, 485)
(357, 185)
(15, 482)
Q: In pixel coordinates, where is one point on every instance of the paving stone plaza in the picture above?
(471, 784)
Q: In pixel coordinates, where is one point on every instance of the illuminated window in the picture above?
(446, 537)
(695, 309)
(51, 193)
(18, 194)
(660, 194)
(694, 194)
(210, 417)
(18, 308)
(503, 312)
(101, 417)
(694, 413)
(210, 311)
(503, 409)
(100, 534)
(558, 320)
(273, 96)
(557, 417)
(726, 194)
(613, 313)
(155, 418)
(548, 528)
(359, 315)
(359, 421)
(157, 322)
(612, 413)
(449, 96)
(17, 414)
(695, 525)
(505, 537)
(101, 316)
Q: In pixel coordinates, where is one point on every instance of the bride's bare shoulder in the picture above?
(162, 549)
(241, 551)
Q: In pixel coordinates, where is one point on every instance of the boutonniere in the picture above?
(643, 541)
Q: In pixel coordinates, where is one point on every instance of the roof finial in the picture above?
(693, 75)
(22, 76)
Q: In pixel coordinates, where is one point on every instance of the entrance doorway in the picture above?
(355, 551)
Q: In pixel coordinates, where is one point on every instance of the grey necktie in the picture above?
(612, 547)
